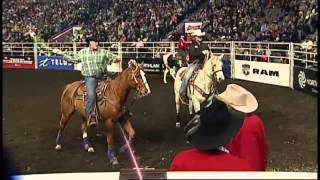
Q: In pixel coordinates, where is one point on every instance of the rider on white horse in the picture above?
(197, 51)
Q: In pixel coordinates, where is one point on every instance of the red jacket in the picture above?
(197, 160)
(182, 44)
(250, 143)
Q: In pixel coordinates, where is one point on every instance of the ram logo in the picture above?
(246, 69)
(265, 72)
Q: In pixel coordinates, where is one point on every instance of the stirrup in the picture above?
(92, 120)
(184, 99)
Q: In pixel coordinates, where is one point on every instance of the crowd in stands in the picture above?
(131, 20)
(259, 20)
(113, 20)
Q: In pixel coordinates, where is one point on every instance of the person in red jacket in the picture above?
(250, 142)
(182, 48)
(247, 147)
(209, 131)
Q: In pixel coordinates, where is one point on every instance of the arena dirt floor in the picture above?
(31, 113)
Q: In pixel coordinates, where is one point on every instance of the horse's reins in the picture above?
(213, 88)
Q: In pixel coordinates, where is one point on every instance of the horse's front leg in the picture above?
(191, 106)
(85, 138)
(196, 105)
(126, 125)
(165, 75)
(177, 99)
(109, 137)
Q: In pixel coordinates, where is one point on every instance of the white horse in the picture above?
(201, 91)
(172, 70)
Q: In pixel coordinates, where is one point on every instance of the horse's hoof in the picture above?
(178, 125)
(99, 135)
(165, 82)
(90, 149)
(114, 162)
(123, 149)
(58, 147)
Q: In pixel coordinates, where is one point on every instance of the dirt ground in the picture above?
(31, 114)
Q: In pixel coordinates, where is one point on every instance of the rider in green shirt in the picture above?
(94, 62)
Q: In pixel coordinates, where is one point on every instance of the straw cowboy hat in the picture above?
(197, 33)
(239, 98)
(213, 126)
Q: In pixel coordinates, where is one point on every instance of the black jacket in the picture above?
(195, 51)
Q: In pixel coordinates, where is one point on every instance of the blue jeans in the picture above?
(192, 67)
(91, 84)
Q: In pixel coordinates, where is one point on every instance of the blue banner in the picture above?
(226, 68)
(54, 62)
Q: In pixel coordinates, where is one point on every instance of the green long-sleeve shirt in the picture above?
(93, 62)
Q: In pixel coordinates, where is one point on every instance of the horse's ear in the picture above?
(221, 57)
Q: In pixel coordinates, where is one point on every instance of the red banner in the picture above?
(20, 62)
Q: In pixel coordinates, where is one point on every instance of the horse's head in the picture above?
(213, 67)
(138, 79)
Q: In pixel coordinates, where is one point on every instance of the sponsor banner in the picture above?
(262, 72)
(20, 62)
(114, 67)
(226, 68)
(54, 62)
(151, 65)
(305, 80)
(190, 27)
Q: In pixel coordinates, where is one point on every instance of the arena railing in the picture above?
(293, 54)
(277, 52)
(172, 175)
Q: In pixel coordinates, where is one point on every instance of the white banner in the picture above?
(114, 67)
(263, 72)
(190, 27)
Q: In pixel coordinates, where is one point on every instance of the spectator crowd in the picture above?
(259, 20)
(112, 20)
(130, 20)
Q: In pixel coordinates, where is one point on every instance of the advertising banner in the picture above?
(305, 80)
(54, 62)
(151, 65)
(192, 26)
(20, 62)
(262, 72)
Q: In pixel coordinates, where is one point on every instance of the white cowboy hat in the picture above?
(239, 98)
(197, 33)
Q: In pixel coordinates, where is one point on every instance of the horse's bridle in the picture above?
(137, 85)
(214, 79)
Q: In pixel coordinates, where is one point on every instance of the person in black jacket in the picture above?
(196, 51)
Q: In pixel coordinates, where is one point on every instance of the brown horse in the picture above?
(111, 110)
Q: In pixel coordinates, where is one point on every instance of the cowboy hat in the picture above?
(213, 126)
(239, 98)
(197, 33)
(94, 38)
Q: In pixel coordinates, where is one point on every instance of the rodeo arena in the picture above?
(161, 89)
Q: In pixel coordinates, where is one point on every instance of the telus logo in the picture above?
(55, 62)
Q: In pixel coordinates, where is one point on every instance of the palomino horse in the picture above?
(111, 111)
(171, 66)
(202, 86)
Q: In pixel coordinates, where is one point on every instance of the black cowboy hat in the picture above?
(213, 126)
(94, 38)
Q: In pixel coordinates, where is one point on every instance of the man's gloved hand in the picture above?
(57, 51)
(205, 52)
